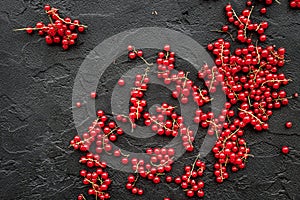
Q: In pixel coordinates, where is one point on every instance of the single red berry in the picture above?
(132, 55)
(228, 8)
(76, 22)
(78, 104)
(65, 46)
(293, 4)
(269, 2)
(249, 3)
(121, 82)
(134, 190)
(80, 197)
(200, 193)
(29, 30)
(140, 192)
(48, 39)
(71, 42)
(167, 47)
(288, 124)
(130, 48)
(225, 28)
(74, 36)
(264, 25)
(156, 180)
(190, 193)
(281, 51)
(56, 39)
(285, 149)
(81, 29)
(263, 10)
(263, 38)
(169, 179)
(47, 7)
(139, 53)
(93, 95)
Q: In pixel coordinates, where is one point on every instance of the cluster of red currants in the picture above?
(98, 180)
(251, 81)
(166, 122)
(248, 76)
(102, 131)
(160, 162)
(188, 181)
(244, 24)
(59, 31)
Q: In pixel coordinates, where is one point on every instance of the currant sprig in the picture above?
(63, 31)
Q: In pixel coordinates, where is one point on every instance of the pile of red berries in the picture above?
(98, 180)
(251, 81)
(244, 24)
(59, 30)
(160, 163)
(188, 181)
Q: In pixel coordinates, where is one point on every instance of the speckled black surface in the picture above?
(36, 99)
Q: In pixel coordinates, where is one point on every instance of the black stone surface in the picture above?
(36, 98)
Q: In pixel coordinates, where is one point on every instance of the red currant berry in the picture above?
(139, 53)
(263, 10)
(225, 28)
(121, 82)
(167, 47)
(93, 95)
(48, 39)
(81, 29)
(47, 7)
(288, 124)
(285, 149)
(29, 30)
(78, 104)
(132, 55)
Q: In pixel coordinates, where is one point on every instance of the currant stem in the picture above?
(236, 16)
(131, 122)
(277, 1)
(141, 57)
(25, 29)
(193, 166)
(53, 12)
(251, 115)
(83, 196)
(258, 54)
(213, 75)
(220, 31)
(268, 81)
(125, 155)
(245, 29)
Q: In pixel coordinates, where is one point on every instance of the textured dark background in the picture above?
(36, 91)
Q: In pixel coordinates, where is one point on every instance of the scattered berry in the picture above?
(288, 124)
(93, 95)
(78, 104)
(121, 82)
(285, 149)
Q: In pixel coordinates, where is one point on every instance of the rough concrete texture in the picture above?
(36, 98)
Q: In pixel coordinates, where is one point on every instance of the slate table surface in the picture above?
(36, 98)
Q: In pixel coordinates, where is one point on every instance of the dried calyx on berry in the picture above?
(63, 31)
